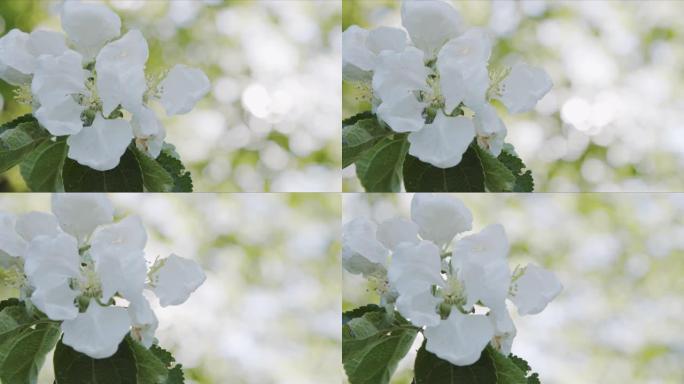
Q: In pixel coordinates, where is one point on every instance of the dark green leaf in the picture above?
(498, 178)
(467, 176)
(17, 142)
(357, 117)
(155, 177)
(42, 168)
(72, 367)
(379, 169)
(182, 181)
(359, 137)
(358, 312)
(150, 368)
(27, 118)
(373, 344)
(11, 302)
(523, 179)
(491, 368)
(126, 177)
(175, 373)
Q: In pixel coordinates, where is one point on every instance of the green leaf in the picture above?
(357, 117)
(17, 142)
(523, 178)
(42, 168)
(175, 373)
(72, 367)
(150, 368)
(491, 368)
(155, 177)
(358, 312)
(27, 118)
(467, 176)
(182, 180)
(359, 137)
(498, 178)
(373, 344)
(524, 366)
(379, 169)
(24, 342)
(126, 177)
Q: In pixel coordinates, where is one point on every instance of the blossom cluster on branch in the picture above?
(81, 268)
(433, 80)
(91, 85)
(452, 285)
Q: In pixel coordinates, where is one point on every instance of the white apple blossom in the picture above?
(451, 285)
(81, 85)
(80, 266)
(424, 86)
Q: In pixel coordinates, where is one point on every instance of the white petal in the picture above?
(399, 73)
(89, 26)
(148, 131)
(98, 331)
(61, 116)
(56, 301)
(42, 42)
(443, 142)
(403, 113)
(395, 231)
(176, 280)
(58, 76)
(488, 246)
(460, 339)
(182, 88)
(467, 52)
(420, 307)
(144, 321)
(120, 69)
(101, 145)
(118, 252)
(535, 289)
(33, 224)
(504, 329)
(51, 261)
(16, 62)
(491, 131)
(524, 87)
(362, 253)
(11, 242)
(80, 213)
(440, 217)
(357, 60)
(415, 268)
(430, 24)
(386, 39)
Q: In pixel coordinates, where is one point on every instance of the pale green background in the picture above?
(615, 117)
(272, 119)
(620, 258)
(269, 312)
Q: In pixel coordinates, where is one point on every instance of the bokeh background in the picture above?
(269, 311)
(271, 121)
(615, 117)
(620, 258)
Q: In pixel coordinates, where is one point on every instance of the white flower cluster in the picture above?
(423, 84)
(97, 92)
(80, 267)
(454, 286)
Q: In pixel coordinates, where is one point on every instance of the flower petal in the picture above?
(51, 261)
(176, 280)
(182, 88)
(361, 251)
(11, 243)
(504, 329)
(524, 87)
(16, 62)
(118, 252)
(420, 307)
(357, 59)
(80, 213)
(120, 69)
(534, 290)
(491, 131)
(398, 73)
(101, 145)
(440, 217)
(443, 142)
(89, 26)
(98, 331)
(386, 39)
(459, 339)
(148, 131)
(144, 321)
(395, 231)
(56, 301)
(61, 116)
(430, 24)
(33, 224)
(42, 42)
(402, 112)
(58, 76)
